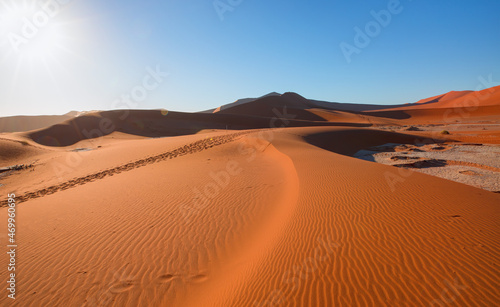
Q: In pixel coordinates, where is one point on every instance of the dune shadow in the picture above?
(350, 141)
(388, 114)
(424, 164)
(154, 124)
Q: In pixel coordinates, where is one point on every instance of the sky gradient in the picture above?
(96, 55)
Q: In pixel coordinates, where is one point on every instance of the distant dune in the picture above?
(460, 99)
(26, 123)
(243, 101)
(444, 97)
(153, 123)
(273, 104)
(289, 109)
(260, 203)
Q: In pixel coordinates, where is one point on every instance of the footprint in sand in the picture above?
(166, 278)
(122, 286)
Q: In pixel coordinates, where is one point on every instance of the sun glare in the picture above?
(39, 39)
(34, 34)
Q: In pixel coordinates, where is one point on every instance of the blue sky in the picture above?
(91, 53)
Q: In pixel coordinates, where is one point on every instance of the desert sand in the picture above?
(472, 164)
(259, 203)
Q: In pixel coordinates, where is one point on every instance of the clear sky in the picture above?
(91, 55)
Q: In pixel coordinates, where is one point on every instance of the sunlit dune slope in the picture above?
(439, 115)
(253, 218)
(460, 99)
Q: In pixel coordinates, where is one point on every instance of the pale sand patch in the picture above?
(472, 164)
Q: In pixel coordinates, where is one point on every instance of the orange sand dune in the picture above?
(273, 217)
(272, 106)
(439, 115)
(444, 97)
(243, 101)
(462, 99)
(17, 151)
(465, 106)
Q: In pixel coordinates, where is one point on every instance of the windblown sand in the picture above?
(196, 216)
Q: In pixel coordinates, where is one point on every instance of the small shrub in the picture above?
(445, 132)
(25, 143)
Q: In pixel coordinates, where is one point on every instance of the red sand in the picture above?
(260, 217)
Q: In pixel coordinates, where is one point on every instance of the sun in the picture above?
(38, 39)
(30, 27)
(34, 33)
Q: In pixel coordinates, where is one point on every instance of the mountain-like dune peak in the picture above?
(443, 97)
(454, 99)
(243, 100)
(471, 101)
(274, 106)
(486, 97)
(455, 95)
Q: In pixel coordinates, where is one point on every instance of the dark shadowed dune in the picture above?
(153, 123)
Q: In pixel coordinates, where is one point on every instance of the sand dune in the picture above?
(26, 123)
(458, 99)
(149, 208)
(272, 106)
(444, 97)
(439, 115)
(243, 101)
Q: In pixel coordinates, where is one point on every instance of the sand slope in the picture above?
(251, 218)
(458, 99)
